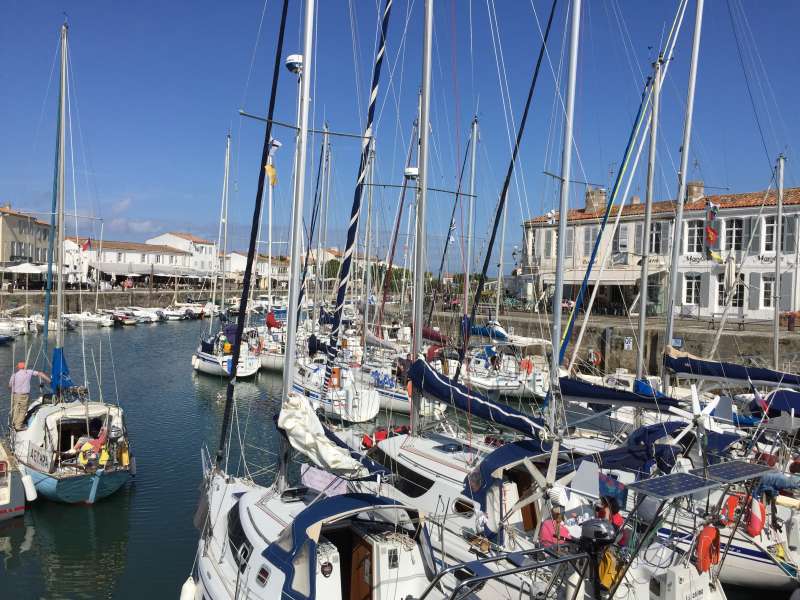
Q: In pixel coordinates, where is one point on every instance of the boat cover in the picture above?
(307, 435)
(784, 401)
(374, 340)
(59, 377)
(690, 366)
(372, 467)
(432, 335)
(434, 384)
(576, 390)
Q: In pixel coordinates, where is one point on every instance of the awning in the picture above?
(627, 276)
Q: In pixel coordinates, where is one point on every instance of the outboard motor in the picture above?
(596, 536)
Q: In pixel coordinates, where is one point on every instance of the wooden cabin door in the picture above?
(361, 573)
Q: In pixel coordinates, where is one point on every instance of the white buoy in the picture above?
(30, 490)
(188, 589)
(132, 466)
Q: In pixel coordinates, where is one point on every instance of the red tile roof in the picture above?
(190, 237)
(749, 199)
(7, 210)
(132, 246)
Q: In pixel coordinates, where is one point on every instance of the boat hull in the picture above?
(219, 366)
(271, 361)
(344, 405)
(86, 488)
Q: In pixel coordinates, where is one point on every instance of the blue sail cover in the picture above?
(59, 376)
(576, 390)
(635, 460)
(434, 384)
(697, 368)
(784, 401)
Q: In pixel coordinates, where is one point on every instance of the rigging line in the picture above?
(356, 53)
(747, 84)
(501, 202)
(253, 55)
(253, 234)
(46, 95)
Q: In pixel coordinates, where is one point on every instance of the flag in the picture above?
(87, 245)
(272, 174)
(712, 235)
(716, 257)
(759, 398)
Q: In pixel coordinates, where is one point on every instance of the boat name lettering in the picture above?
(39, 457)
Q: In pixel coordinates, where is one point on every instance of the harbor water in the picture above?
(141, 542)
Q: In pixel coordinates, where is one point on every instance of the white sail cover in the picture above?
(306, 435)
(374, 340)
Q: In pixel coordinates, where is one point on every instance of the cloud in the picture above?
(134, 226)
(121, 205)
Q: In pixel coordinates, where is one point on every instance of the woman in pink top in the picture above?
(553, 531)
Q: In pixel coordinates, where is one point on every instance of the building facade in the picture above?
(728, 251)
(204, 257)
(84, 256)
(23, 238)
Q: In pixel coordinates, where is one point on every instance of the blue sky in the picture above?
(158, 84)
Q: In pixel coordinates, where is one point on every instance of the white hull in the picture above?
(219, 365)
(271, 361)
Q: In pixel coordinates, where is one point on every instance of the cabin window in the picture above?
(241, 548)
(394, 558)
(408, 481)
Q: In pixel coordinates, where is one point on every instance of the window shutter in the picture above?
(789, 233)
(754, 232)
(637, 238)
(704, 290)
(754, 292)
(570, 242)
(548, 243)
(587, 240)
(623, 238)
(679, 291)
(538, 242)
(786, 291)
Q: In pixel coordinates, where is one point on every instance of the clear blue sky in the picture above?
(158, 84)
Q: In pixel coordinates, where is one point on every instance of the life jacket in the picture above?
(707, 550)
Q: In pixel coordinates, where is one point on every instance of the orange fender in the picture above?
(707, 550)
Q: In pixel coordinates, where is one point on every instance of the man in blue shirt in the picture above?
(20, 385)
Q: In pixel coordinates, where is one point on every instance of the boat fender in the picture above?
(756, 518)
(732, 502)
(707, 551)
(30, 490)
(132, 468)
(526, 366)
(188, 589)
(595, 357)
(194, 361)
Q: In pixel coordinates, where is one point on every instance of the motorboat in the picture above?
(12, 488)
(90, 318)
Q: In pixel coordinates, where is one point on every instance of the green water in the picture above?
(140, 542)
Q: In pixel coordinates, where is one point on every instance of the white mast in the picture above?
(566, 165)
(273, 147)
(499, 292)
(62, 125)
(368, 244)
(225, 218)
(677, 234)
(648, 213)
(471, 211)
(422, 197)
(776, 286)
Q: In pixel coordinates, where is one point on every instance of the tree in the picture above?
(332, 268)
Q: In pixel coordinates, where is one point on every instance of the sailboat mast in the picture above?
(422, 199)
(499, 291)
(269, 227)
(295, 250)
(563, 210)
(62, 125)
(648, 213)
(677, 234)
(368, 245)
(97, 271)
(776, 285)
(225, 218)
(471, 211)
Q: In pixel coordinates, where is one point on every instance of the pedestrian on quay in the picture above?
(20, 385)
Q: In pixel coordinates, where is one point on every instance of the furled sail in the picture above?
(694, 367)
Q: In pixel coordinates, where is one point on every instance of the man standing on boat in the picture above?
(20, 385)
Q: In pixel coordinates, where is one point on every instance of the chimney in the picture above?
(635, 199)
(595, 200)
(695, 190)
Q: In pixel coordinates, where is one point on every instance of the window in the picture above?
(548, 244)
(171, 259)
(738, 292)
(734, 234)
(589, 238)
(655, 238)
(158, 259)
(119, 257)
(241, 548)
(408, 481)
(691, 288)
(767, 290)
(694, 236)
(769, 234)
(570, 242)
(620, 243)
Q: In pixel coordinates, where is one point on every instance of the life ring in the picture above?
(595, 357)
(526, 366)
(729, 507)
(707, 551)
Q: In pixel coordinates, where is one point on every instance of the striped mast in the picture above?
(347, 259)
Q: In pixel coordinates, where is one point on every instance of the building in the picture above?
(236, 262)
(23, 237)
(204, 256)
(84, 256)
(724, 232)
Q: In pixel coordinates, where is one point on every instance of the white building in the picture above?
(744, 225)
(236, 262)
(122, 258)
(203, 253)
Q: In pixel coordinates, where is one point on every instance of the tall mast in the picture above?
(563, 210)
(368, 245)
(303, 71)
(776, 286)
(499, 292)
(225, 218)
(648, 213)
(422, 198)
(677, 234)
(99, 252)
(273, 146)
(322, 206)
(62, 125)
(471, 211)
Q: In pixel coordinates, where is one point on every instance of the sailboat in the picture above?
(214, 355)
(74, 449)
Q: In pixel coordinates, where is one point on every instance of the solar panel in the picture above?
(672, 486)
(732, 472)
